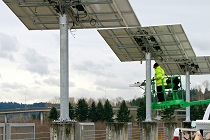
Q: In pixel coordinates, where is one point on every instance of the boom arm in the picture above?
(178, 104)
(199, 102)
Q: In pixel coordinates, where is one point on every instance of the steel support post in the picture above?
(64, 69)
(148, 88)
(41, 117)
(187, 96)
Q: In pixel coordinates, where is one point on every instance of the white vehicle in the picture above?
(184, 134)
(201, 130)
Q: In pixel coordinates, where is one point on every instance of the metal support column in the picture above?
(148, 88)
(64, 69)
(41, 117)
(5, 118)
(187, 95)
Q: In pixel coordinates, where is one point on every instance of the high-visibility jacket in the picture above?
(159, 77)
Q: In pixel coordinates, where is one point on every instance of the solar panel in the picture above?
(43, 14)
(196, 65)
(163, 42)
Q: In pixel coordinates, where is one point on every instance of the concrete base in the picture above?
(169, 128)
(149, 131)
(63, 130)
(117, 131)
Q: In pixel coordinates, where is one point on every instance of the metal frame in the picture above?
(9, 126)
(46, 15)
(163, 42)
(195, 65)
(168, 45)
(149, 43)
(2, 126)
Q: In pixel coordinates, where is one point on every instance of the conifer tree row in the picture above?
(99, 112)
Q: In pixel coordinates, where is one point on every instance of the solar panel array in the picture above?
(168, 44)
(163, 42)
(44, 14)
(196, 65)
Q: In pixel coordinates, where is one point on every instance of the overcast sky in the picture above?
(29, 60)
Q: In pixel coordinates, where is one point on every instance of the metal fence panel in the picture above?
(2, 131)
(20, 131)
(85, 131)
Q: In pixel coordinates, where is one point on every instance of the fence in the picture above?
(83, 131)
(94, 135)
(134, 132)
(22, 131)
(2, 131)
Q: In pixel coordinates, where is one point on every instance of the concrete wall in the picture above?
(63, 130)
(114, 131)
(117, 131)
(149, 131)
(169, 128)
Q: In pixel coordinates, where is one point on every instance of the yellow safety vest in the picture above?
(159, 77)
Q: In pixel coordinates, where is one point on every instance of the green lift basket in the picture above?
(173, 93)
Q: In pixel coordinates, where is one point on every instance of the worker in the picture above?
(160, 80)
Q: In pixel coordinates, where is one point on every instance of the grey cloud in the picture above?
(94, 68)
(8, 45)
(56, 82)
(100, 88)
(81, 92)
(37, 82)
(12, 86)
(35, 62)
(71, 84)
(201, 46)
(110, 84)
(52, 81)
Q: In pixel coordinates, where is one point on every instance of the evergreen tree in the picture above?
(33, 116)
(81, 111)
(53, 114)
(141, 111)
(197, 112)
(137, 101)
(193, 115)
(167, 113)
(193, 94)
(71, 111)
(123, 114)
(201, 111)
(93, 112)
(100, 111)
(108, 112)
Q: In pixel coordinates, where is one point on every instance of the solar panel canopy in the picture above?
(43, 14)
(196, 65)
(163, 42)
